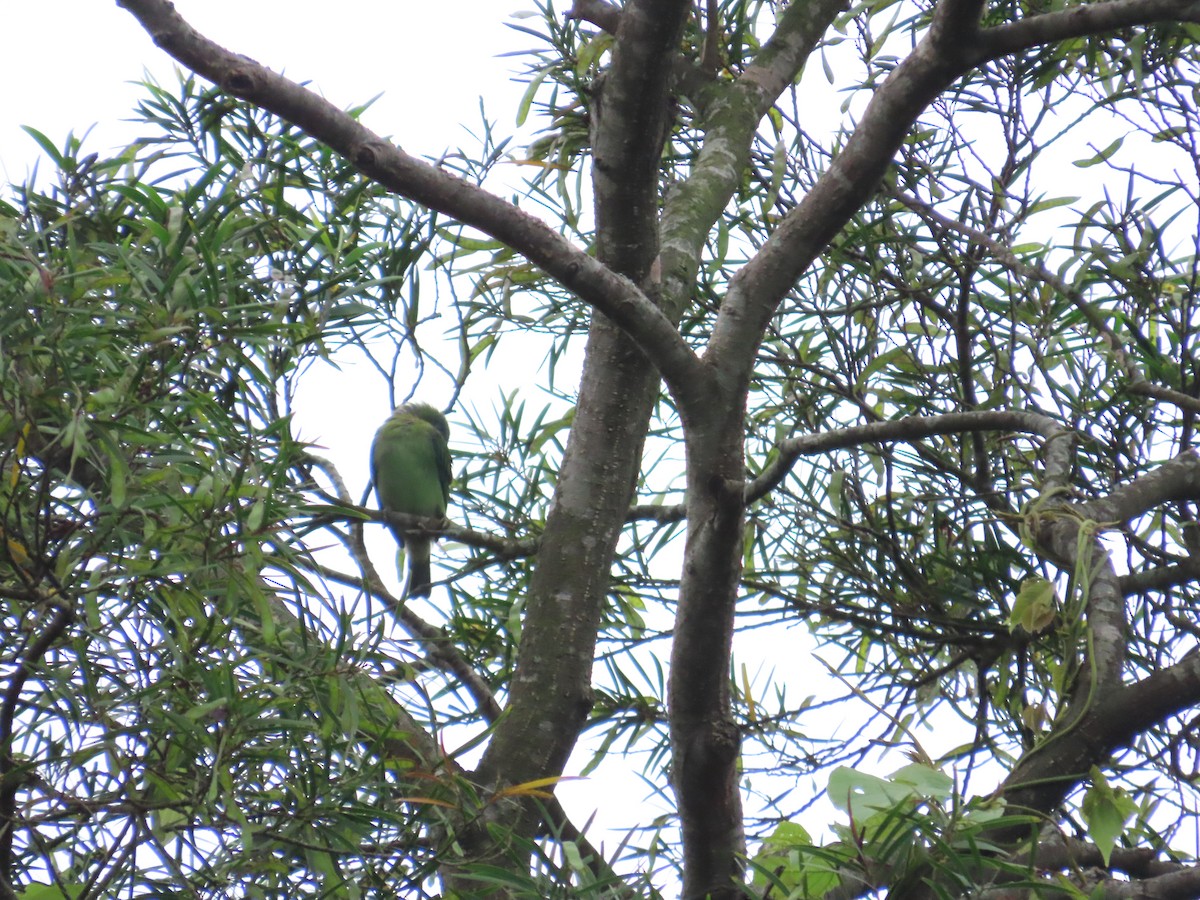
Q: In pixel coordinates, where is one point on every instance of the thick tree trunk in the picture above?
(551, 691)
(704, 737)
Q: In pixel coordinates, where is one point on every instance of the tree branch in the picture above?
(1176, 479)
(1048, 772)
(1181, 885)
(909, 430)
(756, 291)
(595, 283)
(61, 615)
(631, 119)
(952, 47)
(1138, 384)
(1161, 578)
(1079, 21)
(1058, 449)
(442, 654)
(956, 22)
(731, 113)
(551, 686)
(422, 748)
(604, 15)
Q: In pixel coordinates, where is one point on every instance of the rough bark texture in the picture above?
(551, 689)
(704, 737)
(638, 284)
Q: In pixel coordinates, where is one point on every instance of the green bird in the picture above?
(410, 466)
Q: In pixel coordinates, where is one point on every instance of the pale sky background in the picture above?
(68, 63)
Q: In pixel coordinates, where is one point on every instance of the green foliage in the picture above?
(1036, 605)
(1106, 810)
(154, 320)
(895, 829)
(219, 695)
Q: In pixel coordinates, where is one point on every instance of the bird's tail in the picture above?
(419, 579)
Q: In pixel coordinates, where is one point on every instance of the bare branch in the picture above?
(731, 113)
(947, 52)
(442, 653)
(1109, 720)
(1176, 479)
(1078, 21)
(595, 283)
(756, 291)
(909, 430)
(956, 22)
(775, 67)
(1181, 885)
(604, 15)
(1059, 448)
(1161, 578)
(60, 614)
(632, 117)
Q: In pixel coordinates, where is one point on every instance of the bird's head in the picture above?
(427, 413)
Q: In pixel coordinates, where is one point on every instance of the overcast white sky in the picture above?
(69, 63)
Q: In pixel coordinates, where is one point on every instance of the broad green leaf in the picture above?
(1035, 606)
(1105, 811)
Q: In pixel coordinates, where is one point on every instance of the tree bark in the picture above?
(704, 736)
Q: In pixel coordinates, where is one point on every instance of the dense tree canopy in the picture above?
(832, 380)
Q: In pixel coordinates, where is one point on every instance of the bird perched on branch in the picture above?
(410, 466)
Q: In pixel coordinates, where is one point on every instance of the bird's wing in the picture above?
(441, 458)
